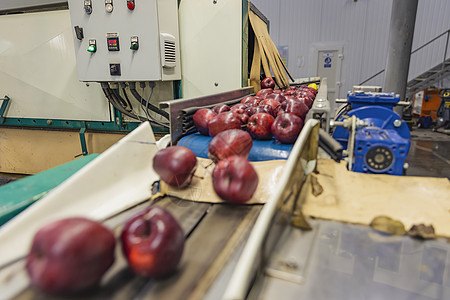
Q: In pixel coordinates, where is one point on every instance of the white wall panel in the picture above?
(362, 27)
(38, 70)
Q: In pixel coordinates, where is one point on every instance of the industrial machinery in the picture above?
(443, 112)
(376, 139)
(425, 107)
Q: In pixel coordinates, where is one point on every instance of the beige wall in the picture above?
(28, 151)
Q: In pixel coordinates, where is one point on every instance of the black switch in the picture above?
(114, 69)
(79, 32)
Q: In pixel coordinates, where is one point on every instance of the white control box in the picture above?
(126, 40)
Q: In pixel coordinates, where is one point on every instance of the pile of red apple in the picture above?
(271, 113)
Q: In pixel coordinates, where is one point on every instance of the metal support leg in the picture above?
(3, 108)
(83, 142)
(403, 19)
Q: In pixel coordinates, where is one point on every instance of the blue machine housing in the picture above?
(381, 147)
(360, 99)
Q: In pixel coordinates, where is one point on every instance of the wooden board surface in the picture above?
(213, 231)
(358, 198)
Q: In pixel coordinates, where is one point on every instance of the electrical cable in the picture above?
(340, 111)
(126, 98)
(152, 107)
(110, 95)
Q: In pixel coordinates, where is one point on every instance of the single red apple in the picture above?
(268, 82)
(273, 103)
(234, 179)
(277, 97)
(228, 143)
(250, 111)
(239, 110)
(152, 242)
(238, 107)
(223, 121)
(259, 126)
(306, 93)
(201, 119)
(175, 165)
(268, 109)
(262, 93)
(287, 127)
(290, 88)
(247, 98)
(253, 102)
(70, 255)
(295, 107)
(220, 109)
(307, 100)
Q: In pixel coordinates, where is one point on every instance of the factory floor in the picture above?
(429, 154)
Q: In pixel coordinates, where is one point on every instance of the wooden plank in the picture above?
(119, 282)
(210, 241)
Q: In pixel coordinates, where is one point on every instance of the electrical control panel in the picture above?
(126, 40)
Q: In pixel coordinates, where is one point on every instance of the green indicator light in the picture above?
(134, 46)
(91, 48)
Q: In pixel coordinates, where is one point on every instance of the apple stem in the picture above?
(207, 166)
(200, 177)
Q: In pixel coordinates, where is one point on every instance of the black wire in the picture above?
(153, 108)
(126, 98)
(110, 95)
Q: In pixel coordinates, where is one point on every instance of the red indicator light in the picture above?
(130, 5)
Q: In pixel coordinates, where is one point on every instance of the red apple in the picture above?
(238, 107)
(268, 109)
(287, 127)
(239, 110)
(234, 179)
(259, 126)
(306, 93)
(152, 242)
(175, 165)
(268, 82)
(290, 92)
(295, 107)
(223, 121)
(290, 88)
(277, 97)
(70, 255)
(247, 98)
(264, 92)
(307, 100)
(254, 101)
(220, 109)
(250, 111)
(273, 103)
(201, 119)
(228, 143)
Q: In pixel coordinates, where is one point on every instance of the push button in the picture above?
(130, 4)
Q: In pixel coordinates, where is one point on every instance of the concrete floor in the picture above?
(429, 155)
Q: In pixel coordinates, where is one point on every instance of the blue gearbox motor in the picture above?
(382, 144)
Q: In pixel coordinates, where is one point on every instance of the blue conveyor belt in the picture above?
(261, 150)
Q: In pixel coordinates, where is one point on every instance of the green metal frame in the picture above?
(244, 43)
(117, 125)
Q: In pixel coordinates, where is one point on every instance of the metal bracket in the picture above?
(176, 106)
(84, 150)
(3, 108)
